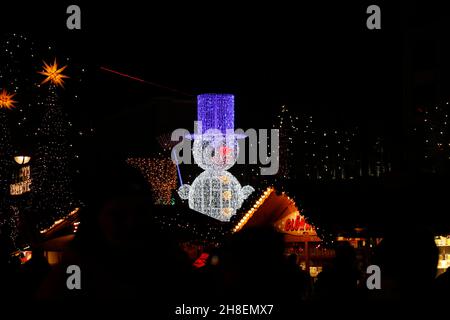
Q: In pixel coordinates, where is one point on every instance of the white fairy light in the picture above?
(215, 192)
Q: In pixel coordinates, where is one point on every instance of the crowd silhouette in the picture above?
(124, 256)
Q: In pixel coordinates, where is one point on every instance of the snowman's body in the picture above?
(215, 192)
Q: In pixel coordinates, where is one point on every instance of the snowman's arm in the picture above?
(183, 191)
(246, 191)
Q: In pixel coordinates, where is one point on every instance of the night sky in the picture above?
(318, 59)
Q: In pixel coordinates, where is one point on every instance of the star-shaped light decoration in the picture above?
(53, 74)
(6, 100)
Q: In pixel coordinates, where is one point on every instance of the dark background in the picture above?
(321, 56)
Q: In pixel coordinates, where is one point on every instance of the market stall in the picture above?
(301, 239)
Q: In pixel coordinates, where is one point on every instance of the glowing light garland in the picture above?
(160, 174)
(59, 221)
(252, 210)
(215, 192)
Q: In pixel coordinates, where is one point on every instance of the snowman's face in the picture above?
(216, 152)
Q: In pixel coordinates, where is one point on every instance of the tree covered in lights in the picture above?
(436, 138)
(6, 156)
(31, 114)
(52, 191)
(288, 126)
(8, 101)
(322, 151)
(6, 164)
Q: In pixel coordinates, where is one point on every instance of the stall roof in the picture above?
(274, 209)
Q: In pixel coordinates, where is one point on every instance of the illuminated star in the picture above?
(53, 74)
(6, 100)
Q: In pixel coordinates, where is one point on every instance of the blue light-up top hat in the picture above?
(215, 115)
(216, 111)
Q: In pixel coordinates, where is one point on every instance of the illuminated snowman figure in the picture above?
(216, 192)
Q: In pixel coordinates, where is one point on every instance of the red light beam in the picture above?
(145, 81)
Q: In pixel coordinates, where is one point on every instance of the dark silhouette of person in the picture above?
(300, 277)
(208, 280)
(9, 271)
(256, 271)
(339, 282)
(119, 249)
(442, 286)
(407, 258)
(33, 273)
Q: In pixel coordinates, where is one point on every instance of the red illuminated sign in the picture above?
(295, 224)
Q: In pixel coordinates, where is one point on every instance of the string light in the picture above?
(50, 197)
(165, 141)
(59, 221)
(5, 160)
(436, 137)
(215, 192)
(9, 214)
(252, 210)
(288, 128)
(52, 178)
(161, 175)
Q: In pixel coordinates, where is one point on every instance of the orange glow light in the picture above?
(53, 74)
(6, 100)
